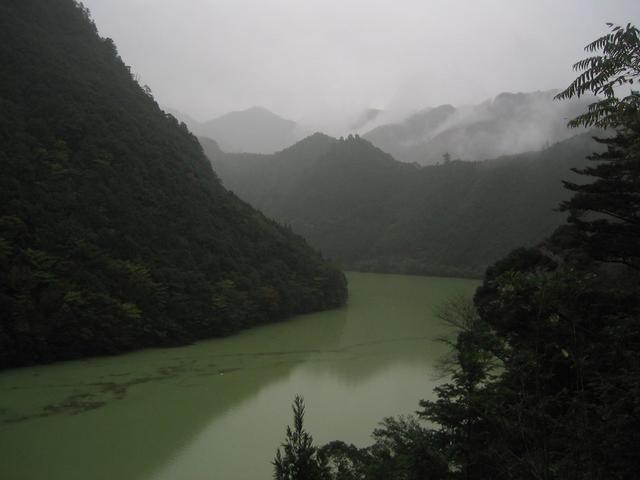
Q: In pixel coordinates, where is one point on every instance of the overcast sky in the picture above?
(321, 59)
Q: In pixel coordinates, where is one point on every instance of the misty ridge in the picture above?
(255, 130)
(442, 191)
(507, 124)
(332, 202)
(369, 212)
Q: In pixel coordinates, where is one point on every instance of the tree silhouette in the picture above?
(607, 211)
(300, 459)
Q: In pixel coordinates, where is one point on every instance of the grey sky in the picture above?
(315, 60)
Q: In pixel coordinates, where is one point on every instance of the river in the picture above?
(218, 409)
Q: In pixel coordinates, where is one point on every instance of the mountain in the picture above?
(365, 118)
(115, 233)
(255, 130)
(368, 211)
(511, 123)
(191, 123)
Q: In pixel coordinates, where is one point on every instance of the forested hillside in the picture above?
(544, 371)
(364, 209)
(115, 233)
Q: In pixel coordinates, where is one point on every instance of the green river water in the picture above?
(218, 409)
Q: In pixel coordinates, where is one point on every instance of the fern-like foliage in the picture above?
(616, 63)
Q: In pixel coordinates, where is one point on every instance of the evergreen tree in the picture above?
(463, 430)
(299, 459)
(545, 378)
(607, 210)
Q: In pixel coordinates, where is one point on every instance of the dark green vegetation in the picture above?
(369, 212)
(299, 458)
(114, 231)
(508, 124)
(545, 369)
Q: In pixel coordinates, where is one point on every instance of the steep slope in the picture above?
(361, 207)
(191, 123)
(511, 123)
(263, 179)
(115, 233)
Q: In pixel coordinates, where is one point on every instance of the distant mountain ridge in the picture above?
(365, 118)
(254, 130)
(364, 209)
(508, 124)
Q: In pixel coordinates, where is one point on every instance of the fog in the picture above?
(321, 62)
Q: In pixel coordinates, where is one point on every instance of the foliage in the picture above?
(617, 65)
(403, 449)
(545, 371)
(115, 233)
(371, 213)
(300, 459)
(607, 210)
(563, 318)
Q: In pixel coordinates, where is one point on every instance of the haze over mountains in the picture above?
(147, 265)
(254, 130)
(368, 211)
(120, 229)
(508, 124)
(367, 203)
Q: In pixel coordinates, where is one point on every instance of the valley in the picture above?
(442, 282)
(366, 211)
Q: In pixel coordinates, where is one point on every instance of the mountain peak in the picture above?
(256, 112)
(254, 130)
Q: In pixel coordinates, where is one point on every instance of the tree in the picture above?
(157, 252)
(607, 210)
(462, 432)
(403, 449)
(545, 367)
(618, 65)
(300, 459)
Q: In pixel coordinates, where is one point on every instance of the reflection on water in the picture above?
(218, 409)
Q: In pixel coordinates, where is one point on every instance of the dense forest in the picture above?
(545, 369)
(369, 212)
(115, 233)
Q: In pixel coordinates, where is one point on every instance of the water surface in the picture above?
(218, 409)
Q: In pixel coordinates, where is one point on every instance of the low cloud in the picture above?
(319, 61)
